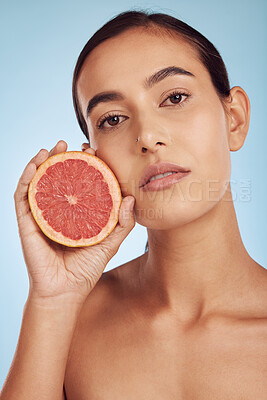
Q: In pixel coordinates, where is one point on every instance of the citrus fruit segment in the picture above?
(75, 198)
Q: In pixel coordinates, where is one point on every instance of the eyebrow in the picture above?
(158, 76)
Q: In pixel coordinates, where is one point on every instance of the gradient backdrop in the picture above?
(40, 43)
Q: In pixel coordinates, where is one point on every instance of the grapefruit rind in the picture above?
(109, 178)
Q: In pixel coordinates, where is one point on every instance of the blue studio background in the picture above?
(40, 43)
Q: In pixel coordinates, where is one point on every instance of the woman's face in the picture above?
(190, 129)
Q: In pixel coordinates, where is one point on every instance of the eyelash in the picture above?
(110, 115)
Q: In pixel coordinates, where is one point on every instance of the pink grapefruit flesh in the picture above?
(75, 199)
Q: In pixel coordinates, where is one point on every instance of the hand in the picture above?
(55, 270)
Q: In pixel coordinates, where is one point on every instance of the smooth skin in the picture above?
(186, 320)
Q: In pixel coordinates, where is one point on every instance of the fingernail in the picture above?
(84, 146)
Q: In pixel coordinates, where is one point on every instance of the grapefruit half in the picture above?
(75, 198)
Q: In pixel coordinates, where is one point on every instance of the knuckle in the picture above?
(108, 250)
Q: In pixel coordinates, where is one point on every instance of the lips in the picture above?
(159, 168)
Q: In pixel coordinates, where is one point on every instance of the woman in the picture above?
(187, 319)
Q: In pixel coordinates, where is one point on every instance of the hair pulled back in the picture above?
(155, 22)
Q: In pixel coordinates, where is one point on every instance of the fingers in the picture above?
(125, 225)
(126, 212)
(60, 147)
(21, 193)
(85, 146)
(35, 162)
(87, 149)
(40, 157)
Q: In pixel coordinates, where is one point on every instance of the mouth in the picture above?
(162, 175)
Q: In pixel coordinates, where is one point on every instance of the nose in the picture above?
(151, 148)
(150, 140)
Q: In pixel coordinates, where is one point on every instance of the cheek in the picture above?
(116, 158)
(209, 146)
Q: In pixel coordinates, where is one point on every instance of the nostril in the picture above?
(144, 150)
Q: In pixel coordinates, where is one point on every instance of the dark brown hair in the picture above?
(157, 23)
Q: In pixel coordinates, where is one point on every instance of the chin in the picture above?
(174, 214)
(165, 217)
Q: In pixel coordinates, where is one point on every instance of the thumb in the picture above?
(125, 224)
(126, 215)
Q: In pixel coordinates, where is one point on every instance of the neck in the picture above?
(198, 268)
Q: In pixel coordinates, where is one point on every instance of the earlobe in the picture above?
(239, 113)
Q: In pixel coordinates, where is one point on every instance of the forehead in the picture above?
(132, 56)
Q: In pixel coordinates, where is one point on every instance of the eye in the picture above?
(179, 97)
(111, 118)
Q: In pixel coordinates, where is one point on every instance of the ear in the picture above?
(239, 117)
